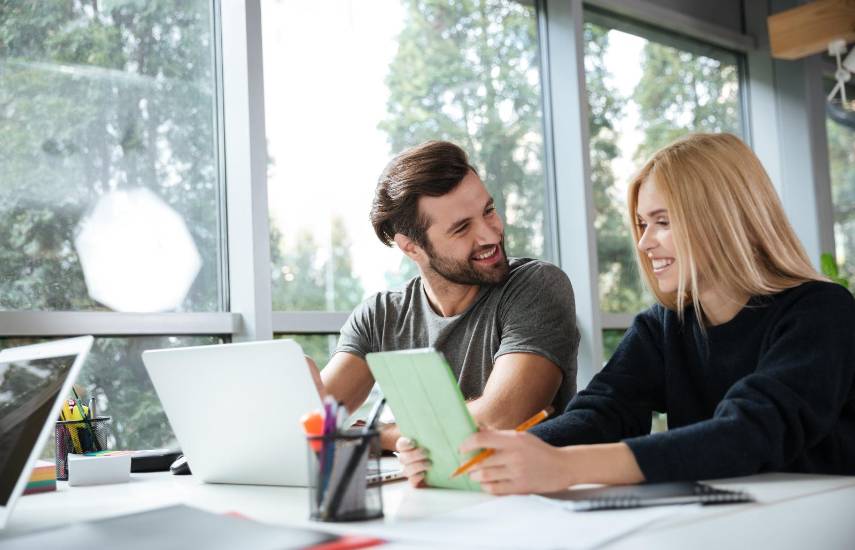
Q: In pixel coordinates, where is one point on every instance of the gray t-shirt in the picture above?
(533, 311)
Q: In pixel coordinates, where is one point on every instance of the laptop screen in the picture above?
(28, 392)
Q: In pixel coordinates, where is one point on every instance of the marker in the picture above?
(313, 426)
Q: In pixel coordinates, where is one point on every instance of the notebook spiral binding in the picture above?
(702, 494)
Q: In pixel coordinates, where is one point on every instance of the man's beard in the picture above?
(465, 273)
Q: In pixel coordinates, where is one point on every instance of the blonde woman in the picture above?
(750, 351)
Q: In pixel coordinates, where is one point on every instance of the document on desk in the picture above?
(173, 527)
(522, 522)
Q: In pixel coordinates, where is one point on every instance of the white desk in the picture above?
(793, 511)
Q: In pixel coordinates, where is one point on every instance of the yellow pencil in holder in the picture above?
(70, 412)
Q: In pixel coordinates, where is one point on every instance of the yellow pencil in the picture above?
(536, 419)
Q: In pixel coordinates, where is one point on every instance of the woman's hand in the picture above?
(414, 460)
(521, 463)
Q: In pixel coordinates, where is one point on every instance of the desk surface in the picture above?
(792, 511)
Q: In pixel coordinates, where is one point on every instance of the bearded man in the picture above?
(506, 326)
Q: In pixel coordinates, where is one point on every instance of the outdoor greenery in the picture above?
(97, 96)
(94, 99)
(841, 152)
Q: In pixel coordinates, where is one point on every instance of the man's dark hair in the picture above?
(431, 169)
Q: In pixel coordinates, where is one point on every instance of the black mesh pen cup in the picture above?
(338, 476)
(77, 437)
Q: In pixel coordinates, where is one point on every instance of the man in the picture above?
(506, 328)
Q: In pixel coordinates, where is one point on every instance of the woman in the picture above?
(749, 350)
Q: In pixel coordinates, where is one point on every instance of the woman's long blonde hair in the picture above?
(727, 222)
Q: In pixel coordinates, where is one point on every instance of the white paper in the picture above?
(523, 522)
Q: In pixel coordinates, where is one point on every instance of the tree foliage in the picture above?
(841, 152)
(620, 287)
(467, 71)
(98, 96)
(684, 91)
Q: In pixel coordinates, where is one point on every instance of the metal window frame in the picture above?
(677, 23)
(564, 72)
(108, 323)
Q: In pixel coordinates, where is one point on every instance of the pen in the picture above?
(93, 439)
(536, 419)
(374, 415)
(328, 447)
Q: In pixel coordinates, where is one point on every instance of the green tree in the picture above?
(467, 71)
(98, 99)
(302, 281)
(841, 152)
(684, 91)
(95, 97)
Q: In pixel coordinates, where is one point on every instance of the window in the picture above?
(350, 83)
(100, 97)
(841, 152)
(645, 89)
(97, 97)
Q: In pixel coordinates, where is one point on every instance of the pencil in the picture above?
(534, 420)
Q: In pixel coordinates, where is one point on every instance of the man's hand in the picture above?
(414, 460)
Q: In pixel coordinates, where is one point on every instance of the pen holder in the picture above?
(78, 437)
(338, 483)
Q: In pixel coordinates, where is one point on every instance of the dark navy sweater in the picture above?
(773, 389)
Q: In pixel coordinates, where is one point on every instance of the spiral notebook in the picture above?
(649, 494)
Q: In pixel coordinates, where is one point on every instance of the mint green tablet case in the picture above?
(429, 408)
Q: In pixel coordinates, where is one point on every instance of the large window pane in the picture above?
(349, 83)
(95, 97)
(841, 150)
(645, 89)
(115, 376)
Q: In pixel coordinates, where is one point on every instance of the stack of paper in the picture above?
(43, 478)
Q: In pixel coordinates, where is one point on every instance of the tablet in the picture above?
(429, 408)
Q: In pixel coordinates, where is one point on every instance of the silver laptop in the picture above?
(236, 408)
(34, 380)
